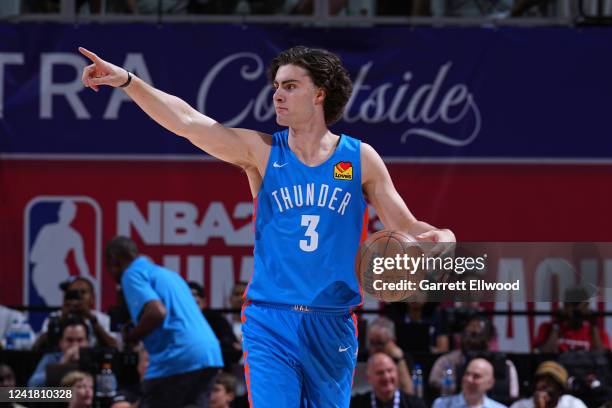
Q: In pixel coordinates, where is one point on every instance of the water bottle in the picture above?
(19, 335)
(417, 380)
(448, 382)
(106, 382)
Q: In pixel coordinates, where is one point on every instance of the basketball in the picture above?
(384, 268)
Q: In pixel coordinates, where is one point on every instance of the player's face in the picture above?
(296, 98)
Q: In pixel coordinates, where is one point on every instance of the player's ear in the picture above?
(319, 95)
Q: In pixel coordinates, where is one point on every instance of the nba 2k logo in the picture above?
(62, 239)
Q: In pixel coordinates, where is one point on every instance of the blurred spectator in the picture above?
(7, 379)
(307, 6)
(7, 316)
(41, 6)
(381, 339)
(10, 8)
(88, 6)
(475, 342)
(530, 8)
(455, 316)
(574, 327)
(212, 6)
(418, 327)
(82, 389)
(79, 301)
(224, 391)
(218, 323)
(235, 301)
(549, 389)
(382, 374)
(472, 8)
(129, 396)
(403, 8)
(158, 6)
(476, 382)
(74, 336)
(184, 355)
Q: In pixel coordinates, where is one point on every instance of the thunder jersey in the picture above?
(308, 226)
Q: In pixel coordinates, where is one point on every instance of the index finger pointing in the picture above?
(92, 56)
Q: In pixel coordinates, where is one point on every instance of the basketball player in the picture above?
(309, 186)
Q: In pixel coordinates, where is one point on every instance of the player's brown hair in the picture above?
(325, 70)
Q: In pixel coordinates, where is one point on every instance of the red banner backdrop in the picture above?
(195, 216)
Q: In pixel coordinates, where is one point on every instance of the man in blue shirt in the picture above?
(184, 355)
(74, 336)
(477, 380)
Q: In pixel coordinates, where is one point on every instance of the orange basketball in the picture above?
(384, 266)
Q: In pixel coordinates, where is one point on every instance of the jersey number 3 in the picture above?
(312, 243)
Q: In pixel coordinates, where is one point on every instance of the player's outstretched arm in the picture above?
(389, 205)
(232, 145)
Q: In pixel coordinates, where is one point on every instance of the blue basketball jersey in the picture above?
(308, 226)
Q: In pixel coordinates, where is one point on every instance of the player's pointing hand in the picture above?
(101, 72)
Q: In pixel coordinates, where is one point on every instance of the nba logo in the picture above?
(62, 238)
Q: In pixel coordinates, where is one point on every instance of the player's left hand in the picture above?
(443, 240)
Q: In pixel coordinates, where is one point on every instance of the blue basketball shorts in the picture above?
(298, 357)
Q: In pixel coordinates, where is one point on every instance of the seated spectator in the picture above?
(549, 389)
(219, 324)
(74, 336)
(79, 301)
(7, 379)
(382, 374)
(381, 339)
(418, 327)
(223, 392)
(574, 328)
(129, 397)
(477, 380)
(82, 389)
(6, 318)
(475, 341)
(454, 316)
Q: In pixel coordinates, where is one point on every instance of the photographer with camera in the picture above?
(573, 328)
(476, 338)
(79, 302)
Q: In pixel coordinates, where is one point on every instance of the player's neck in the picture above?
(312, 145)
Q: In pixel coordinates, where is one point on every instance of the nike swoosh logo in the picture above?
(343, 349)
(278, 166)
